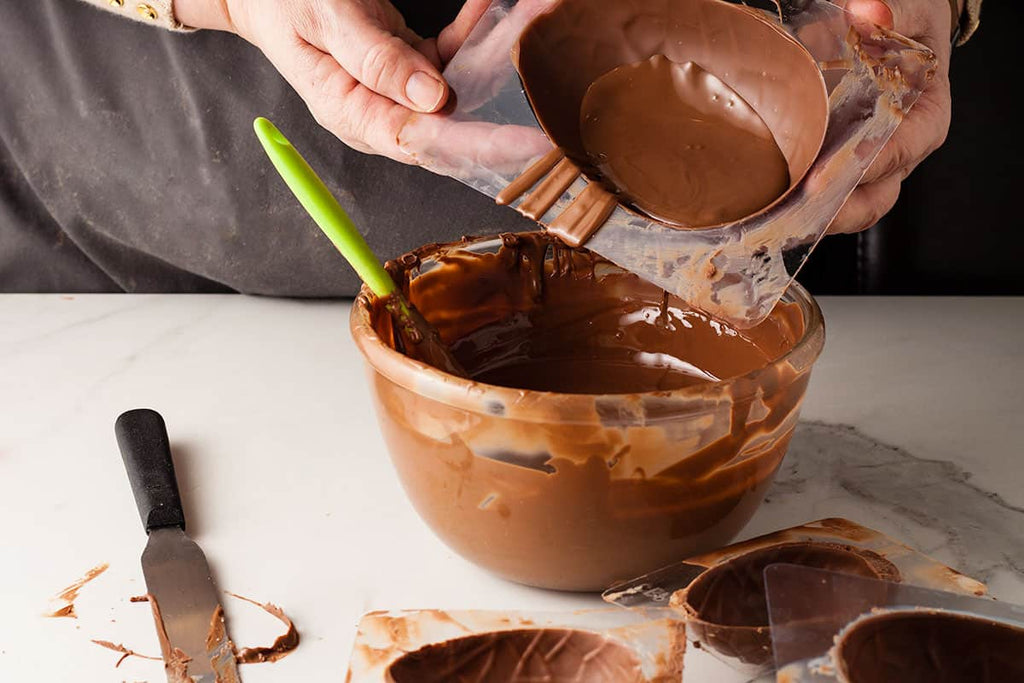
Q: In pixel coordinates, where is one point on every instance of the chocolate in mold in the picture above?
(520, 656)
(565, 51)
(929, 646)
(680, 145)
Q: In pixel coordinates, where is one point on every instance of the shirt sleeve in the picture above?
(970, 20)
(155, 12)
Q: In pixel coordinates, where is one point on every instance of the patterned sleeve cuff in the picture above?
(155, 12)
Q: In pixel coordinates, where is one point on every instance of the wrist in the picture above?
(207, 14)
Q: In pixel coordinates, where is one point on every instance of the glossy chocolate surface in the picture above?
(520, 656)
(680, 144)
(568, 50)
(927, 646)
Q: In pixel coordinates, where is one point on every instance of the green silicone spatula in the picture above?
(418, 337)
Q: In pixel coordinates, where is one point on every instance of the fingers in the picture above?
(361, 118)
(875, 11)
(455, 34)
(385, 63)
(919, 134)
(460, 148)
(926, 125)
(867, 205)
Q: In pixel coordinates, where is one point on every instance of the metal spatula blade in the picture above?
(185, 601)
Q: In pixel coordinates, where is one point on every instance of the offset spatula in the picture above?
(185, 601)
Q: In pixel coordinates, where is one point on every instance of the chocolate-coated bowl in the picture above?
(565, 49)
(576, 491)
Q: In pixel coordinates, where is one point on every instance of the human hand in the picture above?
(924, 128)
(361, 71)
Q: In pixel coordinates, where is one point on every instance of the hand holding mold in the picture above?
(925, 126)
(355, 63)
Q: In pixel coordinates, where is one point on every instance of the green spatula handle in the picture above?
(323, 207)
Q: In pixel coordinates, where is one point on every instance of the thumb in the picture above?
(875, 11)
(388, 65)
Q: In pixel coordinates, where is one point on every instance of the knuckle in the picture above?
(382, 63)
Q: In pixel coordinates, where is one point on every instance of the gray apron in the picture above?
(128, 163)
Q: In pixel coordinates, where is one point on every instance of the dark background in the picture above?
(956, 228)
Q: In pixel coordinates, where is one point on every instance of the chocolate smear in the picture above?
(69, 594)
(282, 646)
(125, 652)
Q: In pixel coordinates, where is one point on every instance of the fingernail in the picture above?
(424, 91)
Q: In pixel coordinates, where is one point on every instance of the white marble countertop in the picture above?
(910, 426)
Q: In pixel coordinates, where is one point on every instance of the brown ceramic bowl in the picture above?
(564, 50)
(577, 491)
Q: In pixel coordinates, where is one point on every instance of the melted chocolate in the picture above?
(594, 58)
(520, 656)
(680, 144)
(924, 646)
(581, 331)
(630, 481)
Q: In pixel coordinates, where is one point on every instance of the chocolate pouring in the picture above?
(736, 271)
(601, 413)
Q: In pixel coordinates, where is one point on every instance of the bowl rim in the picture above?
(499, 401)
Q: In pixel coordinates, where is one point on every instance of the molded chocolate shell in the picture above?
(563, 51)
(520, 656)
(726, 607)
(929, 646)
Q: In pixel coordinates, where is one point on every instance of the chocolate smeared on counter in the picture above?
(929, 646)
(176, 662)
(696, 112)
(125, 652)
(282, 646)
(520, 656)
(69, 594)
(665, 431)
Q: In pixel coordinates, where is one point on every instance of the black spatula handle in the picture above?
(142, 437)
